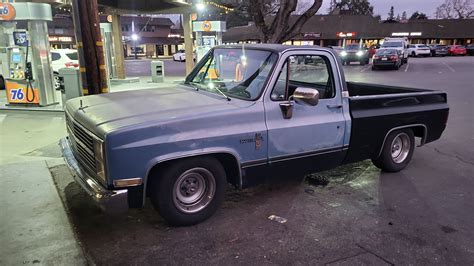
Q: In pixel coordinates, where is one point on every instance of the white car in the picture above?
(400, 44)
(61, 58)
(418, 50)
(181, 56)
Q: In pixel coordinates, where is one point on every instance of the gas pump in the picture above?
(30, 78)
(208, 35)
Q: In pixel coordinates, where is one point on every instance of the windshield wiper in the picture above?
(190, 83)
(225, 95)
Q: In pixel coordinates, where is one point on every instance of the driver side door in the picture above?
(312, 139)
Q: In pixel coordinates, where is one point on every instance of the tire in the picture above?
(397, 67)
(189, 191)
(374, 67)
(2, 83)
(392, 159)
(413, 54)
(362, 63)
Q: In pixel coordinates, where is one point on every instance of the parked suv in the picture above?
(470, 49)
(416, 50)
(62, 58)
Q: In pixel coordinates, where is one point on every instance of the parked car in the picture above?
(180, 55)
(62, 58)
(337, 49)
(470, 49)
(387, 58)
(354, 53)
(182, 145)
(416, 50)
(400, 44)
(457, 50)
(438, 49)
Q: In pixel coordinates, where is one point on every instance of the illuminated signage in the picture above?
(7, 12)
(345, 34)
(402, 34)
(60, 39)
(174, 36)
(312, 34)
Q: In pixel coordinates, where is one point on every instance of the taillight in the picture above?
(446, 119)
(71, 64)
(376, 57)
(393, 58)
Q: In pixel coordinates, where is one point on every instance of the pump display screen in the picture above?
(16, 58)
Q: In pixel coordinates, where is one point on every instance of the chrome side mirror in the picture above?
(306, 95)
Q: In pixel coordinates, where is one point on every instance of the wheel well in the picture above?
(228, 161)
(419, 130)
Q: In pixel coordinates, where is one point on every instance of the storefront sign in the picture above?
(345, 34)
(312, 34)
(206, 26)
(415, 33)
(404, 34)
(174, 36)
(60, 39)
(7, 12)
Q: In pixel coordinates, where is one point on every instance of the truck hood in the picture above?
(104, 113)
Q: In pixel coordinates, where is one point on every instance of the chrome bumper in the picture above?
(109, 200)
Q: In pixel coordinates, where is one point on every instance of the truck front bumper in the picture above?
(109, 200)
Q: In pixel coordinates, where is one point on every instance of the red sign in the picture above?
(345, 34)
(7, 12)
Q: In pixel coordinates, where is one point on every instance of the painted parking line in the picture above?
(365, 68)
(449, 67)
(406, 68)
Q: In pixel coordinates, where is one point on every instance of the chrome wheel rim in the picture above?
(194, 190)
(400, 147)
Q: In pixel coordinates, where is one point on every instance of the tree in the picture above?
(391, 14)
(272, 18)
(404, 15)
(332, 6)
(398, 17)
(352, 7)
(452, 9)
(418, 15)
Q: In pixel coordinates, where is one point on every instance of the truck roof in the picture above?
(279, 48)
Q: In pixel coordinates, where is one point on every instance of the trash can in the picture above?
(70, 83)
(157, 71)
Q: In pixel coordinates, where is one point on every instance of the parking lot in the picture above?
(354, 214)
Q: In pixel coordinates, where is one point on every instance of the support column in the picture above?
(118, 47)
(90, 46)
(188, 42)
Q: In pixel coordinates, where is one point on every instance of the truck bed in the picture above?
(376, 110)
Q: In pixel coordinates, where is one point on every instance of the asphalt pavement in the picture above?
(354, 214)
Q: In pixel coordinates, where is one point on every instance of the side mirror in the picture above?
(306, 95)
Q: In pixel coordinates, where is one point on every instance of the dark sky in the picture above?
(382, 7)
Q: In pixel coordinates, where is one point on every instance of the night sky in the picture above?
(382, 7)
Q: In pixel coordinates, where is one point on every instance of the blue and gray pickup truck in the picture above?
(246, 114)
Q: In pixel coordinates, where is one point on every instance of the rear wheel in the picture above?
(189, 191)
(374, 67)
(397, 67)
(2, 83)
(397, 151)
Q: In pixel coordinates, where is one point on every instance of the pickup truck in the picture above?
(246, 114)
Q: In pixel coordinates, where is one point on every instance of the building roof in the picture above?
(327, 27)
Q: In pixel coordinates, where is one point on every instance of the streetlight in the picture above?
(200, 6)
(134, 39)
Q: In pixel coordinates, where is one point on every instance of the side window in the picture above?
(55, 56)
(309, 71)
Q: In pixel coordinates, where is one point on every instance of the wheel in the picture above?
(189, 191)
(413, 54)
(56, 83)
(374, 67)
(362, 63)
(397, 67)
(397, 151)
(2, 83)
(405, 60)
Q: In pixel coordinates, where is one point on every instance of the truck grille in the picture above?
(82, 144)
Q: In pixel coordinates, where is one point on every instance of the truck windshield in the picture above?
(392, 44)
(239, 73)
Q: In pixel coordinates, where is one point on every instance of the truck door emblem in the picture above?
(258, 141)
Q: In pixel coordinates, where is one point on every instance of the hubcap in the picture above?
(194, 190)
(56, 82)
(400, 147)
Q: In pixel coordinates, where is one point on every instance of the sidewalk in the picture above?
(34, 226)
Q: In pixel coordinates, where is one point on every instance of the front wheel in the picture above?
(397, 151)
(189, 191)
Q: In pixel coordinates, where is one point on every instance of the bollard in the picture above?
(157, 71)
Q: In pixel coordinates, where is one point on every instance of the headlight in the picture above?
(99, 159)
(343, 53)
(360, 53)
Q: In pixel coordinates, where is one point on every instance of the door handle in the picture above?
(334, 106)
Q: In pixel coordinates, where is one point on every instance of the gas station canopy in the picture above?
(151, 6)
